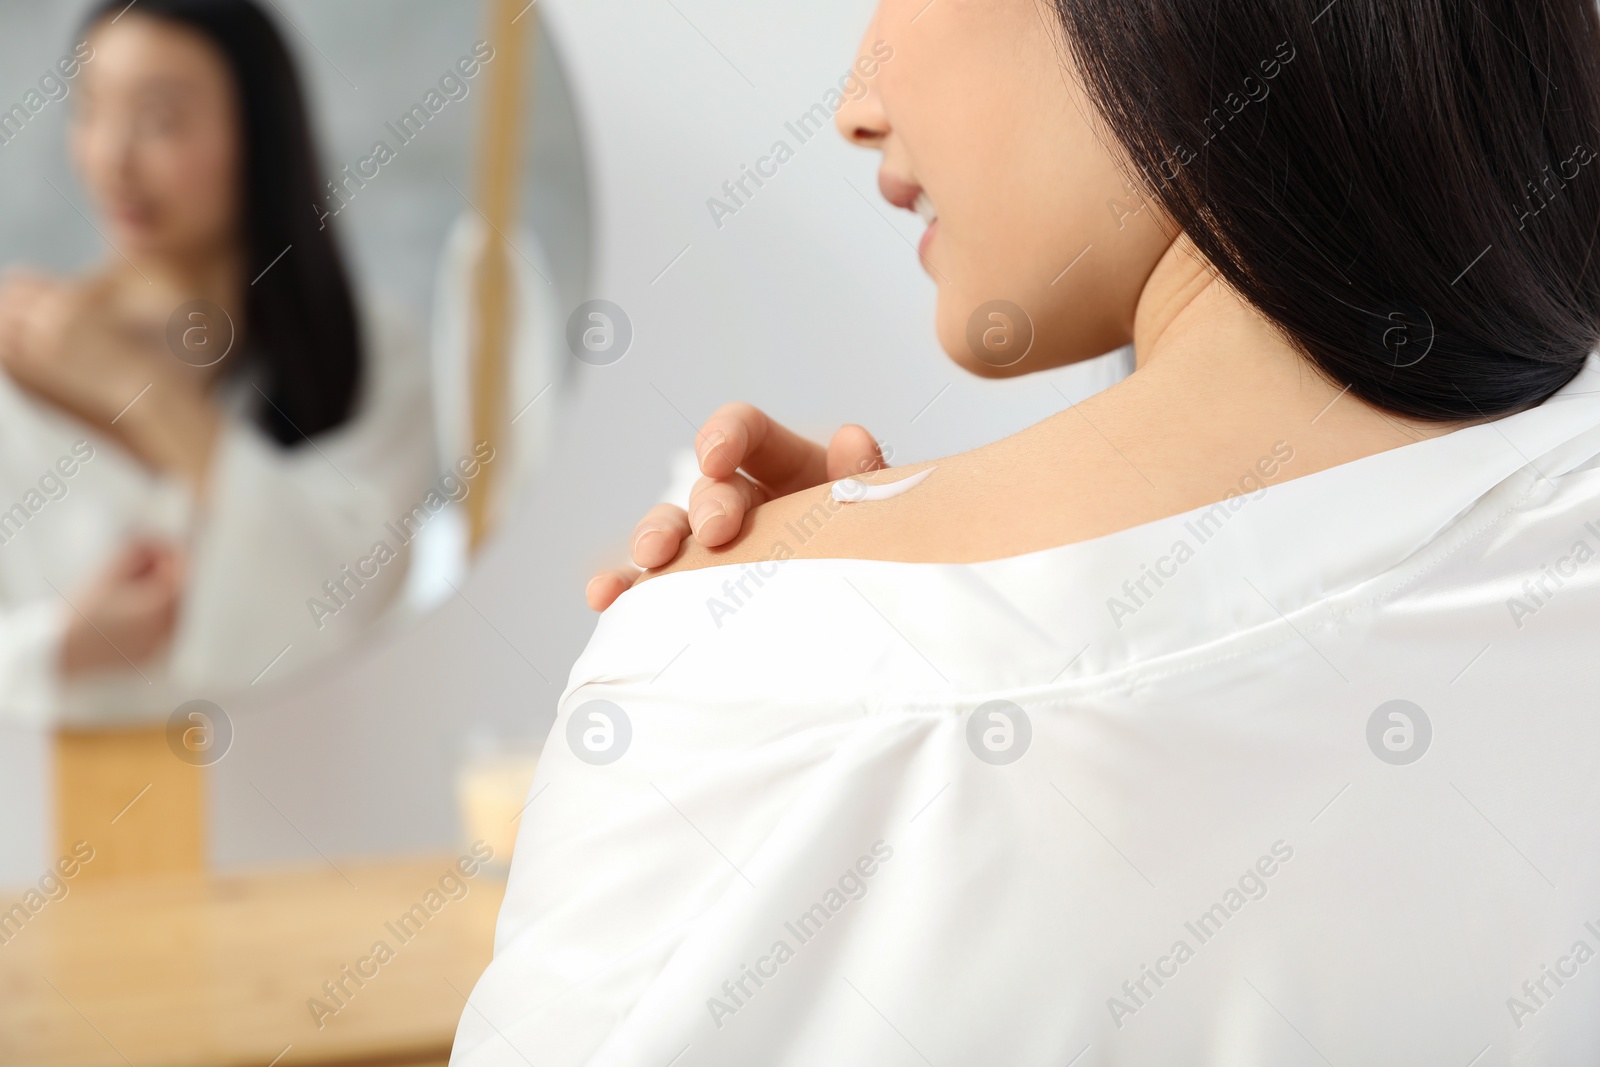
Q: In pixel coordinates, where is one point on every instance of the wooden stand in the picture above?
(499, 171)
(140, 807)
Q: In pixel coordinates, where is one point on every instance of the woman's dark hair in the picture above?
(302, 333)
(1409, 189)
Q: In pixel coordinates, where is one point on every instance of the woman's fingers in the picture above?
(16, 294)
(742, 436)
(746, 459)
(658, 536)
(853, 451)
(22, 285)
(10, 323)
(717, 508)
(604, 588)
(34, 302)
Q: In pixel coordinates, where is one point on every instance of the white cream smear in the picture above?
(850, 491)
(924, 207)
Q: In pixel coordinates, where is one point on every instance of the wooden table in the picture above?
(193, 970)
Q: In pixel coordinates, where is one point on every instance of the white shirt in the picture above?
(279, 522)
(1216, 841)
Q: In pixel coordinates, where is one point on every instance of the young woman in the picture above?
(1238, 715)
(198, 433)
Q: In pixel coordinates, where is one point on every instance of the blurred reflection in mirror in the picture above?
(203, 437)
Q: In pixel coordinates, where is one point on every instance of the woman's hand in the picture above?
(126, 614)
(58, 341)
(745, 459)
(62, 342)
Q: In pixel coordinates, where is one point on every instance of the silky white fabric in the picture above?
(276, 525)
(1199, 774)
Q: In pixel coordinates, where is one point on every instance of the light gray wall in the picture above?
(808, 302)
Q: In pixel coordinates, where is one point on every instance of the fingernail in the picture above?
(711, 441)
(638, 542)
(711, 509)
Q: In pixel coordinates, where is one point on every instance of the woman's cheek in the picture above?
(199, 193)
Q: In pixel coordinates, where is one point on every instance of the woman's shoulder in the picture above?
(1075, 476)
(814, 523)
(1002, 499)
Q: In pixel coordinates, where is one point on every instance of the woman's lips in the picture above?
(133, 218)
(925, 211)
(912, 197)
(927, 239)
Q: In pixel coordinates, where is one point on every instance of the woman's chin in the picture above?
(990, 338)
(139, 241)
(1016, 370)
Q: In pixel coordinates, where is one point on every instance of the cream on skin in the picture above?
(851, 491)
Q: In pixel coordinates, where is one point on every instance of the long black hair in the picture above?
(1408, 189)
(302, 334)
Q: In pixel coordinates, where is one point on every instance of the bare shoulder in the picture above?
(967, 507)
(812, 523)
(1133, 454)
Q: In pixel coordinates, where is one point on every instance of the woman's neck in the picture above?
(1220, 405)
(160, 283)
(1198, 344)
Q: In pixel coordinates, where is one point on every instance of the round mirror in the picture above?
(281, 340)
